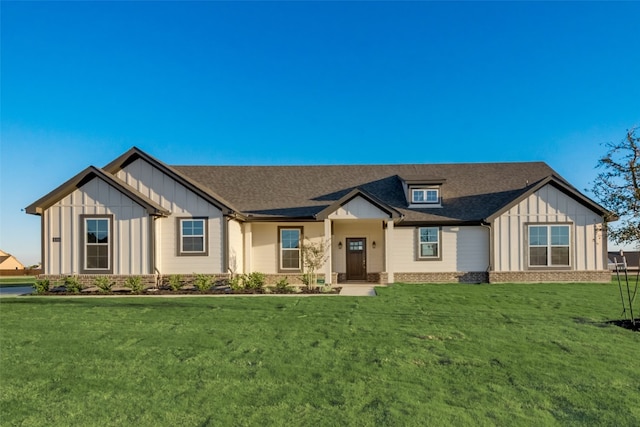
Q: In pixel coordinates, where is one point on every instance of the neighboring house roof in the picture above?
(85, 176)
(632, 258)
(9, 262)
(471, 193)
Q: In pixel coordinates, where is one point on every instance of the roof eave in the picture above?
(39, 206)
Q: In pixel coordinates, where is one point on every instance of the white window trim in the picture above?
(181, 251)
(549, 246)
(422, 204)
(281, 249)
(438, 243)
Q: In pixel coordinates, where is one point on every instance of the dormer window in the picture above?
(425, 195)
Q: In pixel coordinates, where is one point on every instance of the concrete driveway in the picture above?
(15, 290)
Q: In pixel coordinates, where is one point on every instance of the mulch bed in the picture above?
(627, 324)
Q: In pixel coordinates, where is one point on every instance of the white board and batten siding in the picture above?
(463, 249)
(547, 206)
(63, 222)
(358, 208)
(182, 203)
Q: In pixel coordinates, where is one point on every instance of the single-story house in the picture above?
(477, 222)
(9, 263)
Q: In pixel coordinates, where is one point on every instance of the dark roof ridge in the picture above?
(390, 165)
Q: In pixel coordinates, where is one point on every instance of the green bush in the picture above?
(283, 286)
(42, 286)
(203, 282)
(134, 283)
(175, 282)
(104, 283)
(254, 281)
(72, 285)
(236, 282)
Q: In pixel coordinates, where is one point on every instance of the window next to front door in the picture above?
(289, 239)
(97, 245)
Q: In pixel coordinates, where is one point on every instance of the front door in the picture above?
(357, 258)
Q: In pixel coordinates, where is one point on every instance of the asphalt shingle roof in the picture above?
(470, 192)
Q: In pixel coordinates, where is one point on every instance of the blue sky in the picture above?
(307, 83)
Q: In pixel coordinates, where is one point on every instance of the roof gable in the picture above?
(90, 173)
(558, 183)
(203, 191)
(358, 204)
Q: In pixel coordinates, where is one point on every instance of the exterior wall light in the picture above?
(373, 245)
(340, 244)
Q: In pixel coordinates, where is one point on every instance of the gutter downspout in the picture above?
(225, 243)
(154, 250)
(489, 228)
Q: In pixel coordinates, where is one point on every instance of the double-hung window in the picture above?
(549, 246)
(97, 243)
(425, 195)
(193, 236)
(290, 256)
(428, 242)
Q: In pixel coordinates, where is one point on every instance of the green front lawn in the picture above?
(416, 355)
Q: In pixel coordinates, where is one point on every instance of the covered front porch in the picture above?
(360, 229)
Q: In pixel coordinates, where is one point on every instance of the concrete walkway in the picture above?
(358, 290)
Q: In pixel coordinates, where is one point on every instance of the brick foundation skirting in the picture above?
(293, 279)
(600, 276)
(451, 277)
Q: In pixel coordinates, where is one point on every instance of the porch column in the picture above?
(248, 243)
(328, 240)
(388, 249)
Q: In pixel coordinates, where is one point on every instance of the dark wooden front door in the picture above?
(357, 258)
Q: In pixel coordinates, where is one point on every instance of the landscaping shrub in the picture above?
(134, 283)
(175, 282)
(236, 282)
(72, 285)
(254, 281)
(283, 286)
(42, 286)
(203, 282)
(104, 283)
